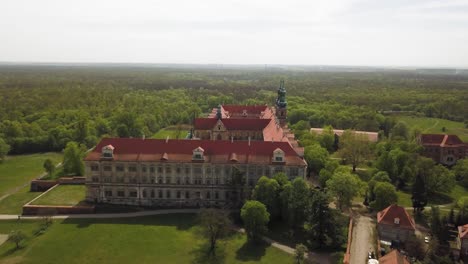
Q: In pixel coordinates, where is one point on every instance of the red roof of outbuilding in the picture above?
(387, 216)
(219, 151)
(231, 123)
(393, 257)
(463, 231)
(440, 139)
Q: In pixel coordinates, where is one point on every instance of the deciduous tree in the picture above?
(73, 159)
(4, 149)
(385, 195)
(255, 217)
(49, 166)
(345, 186)
(354, 148)
(214, 225)
(15, 237)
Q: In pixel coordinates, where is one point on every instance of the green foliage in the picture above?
(49, 166)
(281, 178)
(73, 159)
(419, 197)
(461, 172)
(321, 224)
(299, 253)
(354, 148)
(255, 217)
(345, 186)
(214, 225)
(4, 149)
(400, 131)
(316, 157)
(266, 191)
(327, 172)
(15, 237)
(385, 195)
(327, 139)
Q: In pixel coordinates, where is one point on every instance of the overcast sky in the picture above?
(329, 32)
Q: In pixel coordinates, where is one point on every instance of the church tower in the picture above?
(281, 104)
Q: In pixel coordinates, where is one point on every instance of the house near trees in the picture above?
(462, 241)
(395, 224)
(443, 149)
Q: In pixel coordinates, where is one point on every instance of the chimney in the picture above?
(167, 139)
(143, 136)
(249, 141)
(232, 139)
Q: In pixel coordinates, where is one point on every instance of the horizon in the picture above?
(358, 33)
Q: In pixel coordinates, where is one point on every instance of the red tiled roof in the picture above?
(440, 139)
(393, 257)
(251, 109)
(231, 123)
(136, 149)
(463, 231)
(387, 216)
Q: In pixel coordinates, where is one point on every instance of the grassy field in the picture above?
(63, 195)
(18, 170)
(155, 239)
(172, 132)
(435, 125)
(13, 203)
(404, 197)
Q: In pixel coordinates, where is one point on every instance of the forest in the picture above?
(44, 107)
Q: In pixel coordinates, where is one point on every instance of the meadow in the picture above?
(18, 170)
(153, 239)
(429, 125)
(63, 195)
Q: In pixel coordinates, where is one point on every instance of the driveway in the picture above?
(362, 241)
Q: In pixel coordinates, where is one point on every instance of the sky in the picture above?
(423, 33)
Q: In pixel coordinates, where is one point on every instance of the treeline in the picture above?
(44, 107)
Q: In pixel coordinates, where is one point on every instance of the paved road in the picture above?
(362, 239)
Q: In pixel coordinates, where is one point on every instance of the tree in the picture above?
(299, 253)
(400, 131)
(214, 225)
(344, 186)
(381, 176)
(440, 179)
(298, 201)
(327, 139)
(354, 148)
(16, 236)
(415, 247)
(4, 149)
(419, 194)
(73, 159)
(266, 192)
(255, 217)
(281, 178)
(461, 171)
(316, 157)
(321, 223)
(385, 195)
(49, 166)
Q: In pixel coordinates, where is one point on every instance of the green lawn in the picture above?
(154, 239)
(404, 197)
(435, 125)
(173, 132)
(18, 170)
(13, 203)
(63, 195)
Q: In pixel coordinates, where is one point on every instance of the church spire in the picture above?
(219, 115)
(281, 104)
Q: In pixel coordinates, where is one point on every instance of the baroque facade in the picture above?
(217, 166)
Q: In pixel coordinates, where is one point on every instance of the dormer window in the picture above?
(198, 154)
(396, 221)
(244, 113)
(108, 152)
(278, 155)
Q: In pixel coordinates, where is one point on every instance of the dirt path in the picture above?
(3, 238)
(362, 240)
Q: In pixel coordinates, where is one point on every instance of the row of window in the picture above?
(167, 194)
(178, 180)
(196, 170)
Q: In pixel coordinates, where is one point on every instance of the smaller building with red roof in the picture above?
(395, 224)
(462, 241)
(443, 149)
(394, 257)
